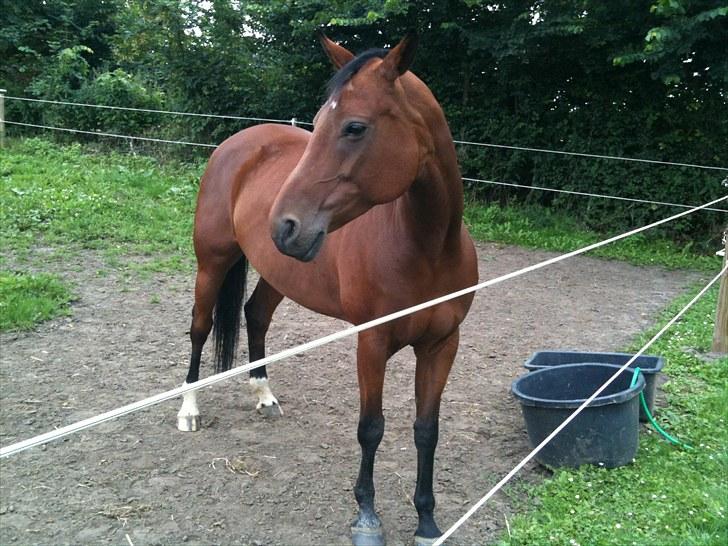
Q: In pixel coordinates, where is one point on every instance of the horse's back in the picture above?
(252, 150)
(252, 163)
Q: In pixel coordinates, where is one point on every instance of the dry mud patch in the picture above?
(288, 481)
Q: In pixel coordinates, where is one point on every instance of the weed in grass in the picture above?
(28, 299)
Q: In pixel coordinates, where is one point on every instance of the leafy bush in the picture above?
(63, 75)
(555, 75)
(117, 88)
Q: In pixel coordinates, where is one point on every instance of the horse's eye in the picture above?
(354, 129)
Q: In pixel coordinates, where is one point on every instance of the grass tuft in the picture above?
(26, 300)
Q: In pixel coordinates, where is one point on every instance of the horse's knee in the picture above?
(426, 433)
(251, 321)
(255, 321)
(200, 328)
(370, 431)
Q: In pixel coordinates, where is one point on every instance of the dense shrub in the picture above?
(546, 74)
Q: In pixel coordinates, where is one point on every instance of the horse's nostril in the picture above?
(287, 232)
(290, 229)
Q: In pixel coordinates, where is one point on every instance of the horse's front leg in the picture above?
(434, 361)
(372, 358)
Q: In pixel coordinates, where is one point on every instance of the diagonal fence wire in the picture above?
(573, 416)
(154, 400)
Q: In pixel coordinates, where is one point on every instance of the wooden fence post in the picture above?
(720, 334)
(2, 118)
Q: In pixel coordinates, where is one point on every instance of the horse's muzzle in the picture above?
(295, 241)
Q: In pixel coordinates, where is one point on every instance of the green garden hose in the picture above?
(658, 428)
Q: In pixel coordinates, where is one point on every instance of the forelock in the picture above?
(346, 72)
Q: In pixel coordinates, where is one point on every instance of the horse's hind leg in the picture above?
(258, 314)
(207, 286)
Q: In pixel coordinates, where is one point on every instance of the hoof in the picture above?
(367, 536)
(422, 541)
(274, 410)
(188, 423)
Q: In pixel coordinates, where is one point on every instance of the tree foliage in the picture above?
(639, 78)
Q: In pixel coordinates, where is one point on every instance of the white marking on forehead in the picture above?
(334, 103)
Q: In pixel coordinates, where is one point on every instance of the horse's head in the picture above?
(364, 150)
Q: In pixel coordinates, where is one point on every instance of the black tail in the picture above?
(227, 315)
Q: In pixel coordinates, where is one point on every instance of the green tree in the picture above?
(34, 32)
(637, 78)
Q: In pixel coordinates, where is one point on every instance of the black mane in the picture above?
(347, 71)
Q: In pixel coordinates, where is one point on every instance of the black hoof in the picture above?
(367, 536)
(422, 541)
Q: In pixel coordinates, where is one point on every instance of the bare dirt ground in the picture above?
(250, 481)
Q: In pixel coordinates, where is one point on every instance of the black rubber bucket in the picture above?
(649, 365)
(605, 433)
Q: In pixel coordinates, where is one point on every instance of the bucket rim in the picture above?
(619, 397)
(659, 361)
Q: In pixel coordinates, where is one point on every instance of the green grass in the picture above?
(122, 204)
(64, 199)
(62, 196)
(670, 495)
(26, 299)
(538, 227)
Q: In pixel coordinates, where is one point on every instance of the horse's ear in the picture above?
(399, 59)
(339, 55)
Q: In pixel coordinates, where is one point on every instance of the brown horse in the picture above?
(358, 219)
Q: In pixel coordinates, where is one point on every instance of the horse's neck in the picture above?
(434, 202)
